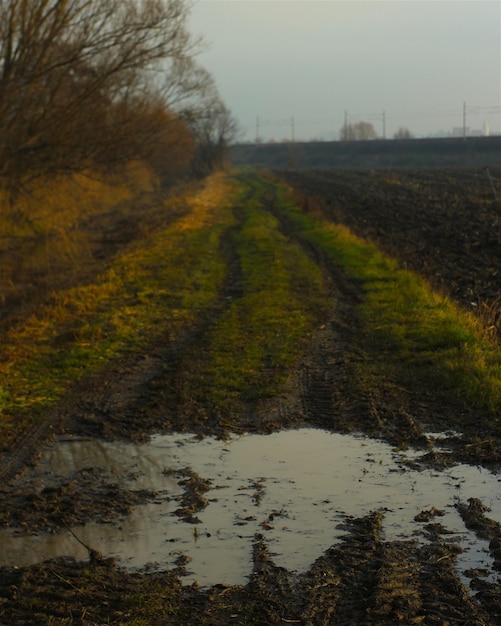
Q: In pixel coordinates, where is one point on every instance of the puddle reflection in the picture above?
(294, 487)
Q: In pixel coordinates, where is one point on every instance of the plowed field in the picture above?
(442, 223)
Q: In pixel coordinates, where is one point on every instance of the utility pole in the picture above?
(464, 121)
(257, 129)
(384, 124)
(292, 155)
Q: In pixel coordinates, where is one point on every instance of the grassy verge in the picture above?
(149, 290)
(422, 335)
(249, 351)
(54, 209)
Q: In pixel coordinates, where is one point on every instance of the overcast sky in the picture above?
(417, 61)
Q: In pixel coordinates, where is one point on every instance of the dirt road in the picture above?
(365, 578)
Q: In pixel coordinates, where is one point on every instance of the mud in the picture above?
(295, 487)
(365, 577)
(82, 498)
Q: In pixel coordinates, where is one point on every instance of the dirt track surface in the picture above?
(364, 579)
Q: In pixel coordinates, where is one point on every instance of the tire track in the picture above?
(128, 399)
(329, 377)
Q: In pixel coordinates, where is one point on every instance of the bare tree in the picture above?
(212, 125)
(347, 132)
(214, 131)
(358, 132)
(403, 133)
(165, 142)
(76, 76)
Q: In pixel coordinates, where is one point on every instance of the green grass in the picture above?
(421, 334)
(166, 283)
(249, 352)
(163, 285)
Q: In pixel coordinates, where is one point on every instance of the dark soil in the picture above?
(442, 223)
(84, 497)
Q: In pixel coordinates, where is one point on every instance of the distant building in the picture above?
(459, 131)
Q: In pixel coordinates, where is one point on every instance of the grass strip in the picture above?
(154, 288)
(249, 351)
(422, 334)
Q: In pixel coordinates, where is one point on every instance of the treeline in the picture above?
(96, 84)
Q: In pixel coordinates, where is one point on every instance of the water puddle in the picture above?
(294, 487)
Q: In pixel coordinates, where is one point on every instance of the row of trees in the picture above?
(98, 83)
(364, 131)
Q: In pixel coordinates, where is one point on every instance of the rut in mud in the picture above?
(363, 579)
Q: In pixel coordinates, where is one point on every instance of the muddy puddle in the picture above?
(293, 487)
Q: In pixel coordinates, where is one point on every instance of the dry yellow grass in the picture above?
(158, 284)
(204, 203)
(56, 205)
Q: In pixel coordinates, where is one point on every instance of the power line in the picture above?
(294, 122)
